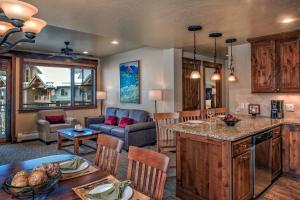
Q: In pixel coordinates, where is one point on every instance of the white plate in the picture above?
(127, 194)
(221, 116)
(83, 166)
(195, 121)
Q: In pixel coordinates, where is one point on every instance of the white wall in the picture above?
(240, 92)
(157, 69)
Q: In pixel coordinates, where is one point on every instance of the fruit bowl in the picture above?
(231, 120)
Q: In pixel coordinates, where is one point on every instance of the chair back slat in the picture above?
(108, 153)
(163, 134)
(148, 171)
(216, 111)
(190, 115)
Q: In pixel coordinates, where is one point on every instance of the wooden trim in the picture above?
(67, 64)
(282, 36)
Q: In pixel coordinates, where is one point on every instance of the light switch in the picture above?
(289, 107)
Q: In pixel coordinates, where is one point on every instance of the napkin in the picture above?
(71, 164)
(114, 193)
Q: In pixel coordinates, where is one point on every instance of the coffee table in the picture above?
(76, 137)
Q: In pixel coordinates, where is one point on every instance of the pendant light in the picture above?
(231, 77)
(216, 76)
(195, 73)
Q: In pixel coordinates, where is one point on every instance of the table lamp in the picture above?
(101, 95)
(155, 95)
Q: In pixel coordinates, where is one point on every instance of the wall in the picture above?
(240, 92)
(26, 122)
(157, 69)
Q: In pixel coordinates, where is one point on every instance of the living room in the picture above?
(180, 99)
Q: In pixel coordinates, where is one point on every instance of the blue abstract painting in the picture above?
(130, 82)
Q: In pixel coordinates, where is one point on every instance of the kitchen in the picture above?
(242, 162)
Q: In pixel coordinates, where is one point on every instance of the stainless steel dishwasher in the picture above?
(262, 162)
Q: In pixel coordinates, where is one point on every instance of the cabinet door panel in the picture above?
(263, 66)
(242, 181)
(289, 68)
(276, 157)
(295, 151)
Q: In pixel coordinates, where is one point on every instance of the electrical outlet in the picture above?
(242, 105)
(289, 107)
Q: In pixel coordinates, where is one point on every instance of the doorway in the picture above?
(5, 99)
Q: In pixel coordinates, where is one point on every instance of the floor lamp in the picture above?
(155, 95)
(101, 95)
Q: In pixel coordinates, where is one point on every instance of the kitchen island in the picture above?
(215, 161)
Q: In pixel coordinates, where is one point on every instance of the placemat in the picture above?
(89, 170)
(82, 190)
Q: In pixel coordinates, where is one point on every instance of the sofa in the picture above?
(141, 133)
(46, 130)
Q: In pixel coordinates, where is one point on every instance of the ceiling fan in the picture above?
(68, 52)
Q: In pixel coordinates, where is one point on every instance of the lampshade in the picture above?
(155, 95)
(20, 10)
(195, 74)
(34, 25)
(4, 27)
(101, 95)
(231, 77)
(215, 76)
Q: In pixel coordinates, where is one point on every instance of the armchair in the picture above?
(46, 130)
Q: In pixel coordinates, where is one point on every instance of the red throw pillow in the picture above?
(124, 121)
(58, 119)
(110, 120)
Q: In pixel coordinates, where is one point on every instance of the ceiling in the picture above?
(158, 23)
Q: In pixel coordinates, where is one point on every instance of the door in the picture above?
(5, 99)
(242, 178)
(276, 157)
(289, 65)
(294, 157)
(263, 66)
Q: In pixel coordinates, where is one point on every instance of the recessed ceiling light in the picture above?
(85, 52)
(115, 42)
(287, 20)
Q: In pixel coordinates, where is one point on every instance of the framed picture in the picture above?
(254, 109)
(130, 82)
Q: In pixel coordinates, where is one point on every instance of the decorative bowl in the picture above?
(28, 191)
(230, 122)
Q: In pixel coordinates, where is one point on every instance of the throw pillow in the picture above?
(110, 120)
(57, 119)
(124, 121)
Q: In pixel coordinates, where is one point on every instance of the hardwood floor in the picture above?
(285, 188)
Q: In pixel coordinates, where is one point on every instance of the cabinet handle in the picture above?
(278, 90)
(244, 146)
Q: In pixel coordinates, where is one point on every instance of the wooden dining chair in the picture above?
(108, 153)
(220, 111)
(147, 170)
(190, 115)
(166, 140)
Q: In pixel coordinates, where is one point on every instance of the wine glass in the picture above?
(210, 114)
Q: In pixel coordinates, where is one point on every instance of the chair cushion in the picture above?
(110, 120)
(139, 115)
(55, 127)
(125, 121)
(102, 127)
(118, 132)
(110, 111)
(55, 119)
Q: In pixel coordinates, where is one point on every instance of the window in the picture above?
(57, 86)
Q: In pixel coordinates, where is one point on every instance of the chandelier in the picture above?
(216, 76)
(17, 17)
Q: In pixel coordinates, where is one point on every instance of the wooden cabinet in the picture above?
(289, 66)
(291, 150)
(242, 178)
(263, 66)
(275, 63)
(276, 157)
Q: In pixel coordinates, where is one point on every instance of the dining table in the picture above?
(63, 190)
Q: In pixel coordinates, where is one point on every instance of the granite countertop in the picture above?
(217, 129)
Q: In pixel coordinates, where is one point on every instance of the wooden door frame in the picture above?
(11, 93)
